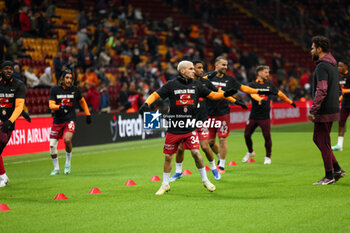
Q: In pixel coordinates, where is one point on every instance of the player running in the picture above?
(12, 96)
(260, 113)
(63, 100)
(203, 132)
(345, 102)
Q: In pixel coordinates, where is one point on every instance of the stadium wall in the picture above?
(112, 128)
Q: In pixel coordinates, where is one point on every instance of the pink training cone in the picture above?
(130, 183)
(232, 163)
(251, 160)
(60, 196)
(155, 178)
(4, 207)
(94, 191)
(207, 168)
(187, 172)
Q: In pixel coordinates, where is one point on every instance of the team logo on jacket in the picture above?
(185, 99)
(67, 102)
(4, 103)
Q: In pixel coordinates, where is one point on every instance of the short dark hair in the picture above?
(195, 62)
(321, 42)
(344, 61)
(220, 58)
(260, 68)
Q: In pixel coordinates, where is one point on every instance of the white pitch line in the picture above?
(83, 154)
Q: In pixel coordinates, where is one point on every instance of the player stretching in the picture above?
(12, 93)
(345, 104)
(219, 110)
(260, 114)
(183, 93)
(203, 132)
(63, 100)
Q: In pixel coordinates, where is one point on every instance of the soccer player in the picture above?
(12, 93)
(260, 113)
(203, 132)
(184, 93)
(63, 100)
(325, 107)
(219, 110)
(345, 102)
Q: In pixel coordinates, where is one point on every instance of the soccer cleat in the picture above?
(337, 148)
(2, 184)
(4, 180)
(66, 169)
(163, 189)
(248, 156)
(267, 160)
(209, 186)
(221, 169)
(339, 174)
(55, 172)
(175, 177)
(325, 181)
(216, 174)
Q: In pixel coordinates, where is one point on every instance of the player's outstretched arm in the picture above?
(85, 107)
(286, 99)
(250, 90)
(150, 100)
(345, 90)
(216, 95)
(230, 98)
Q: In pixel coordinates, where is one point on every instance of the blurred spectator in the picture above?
(91, 77)
(92, 97)
(17, 72)
(24, 20)
(104, 59)
(83, 38)
(134, 98)
(85, 57)
(45, 80)
(82, 20)
(58, 63)
(104, 99)
(51, 10)
(123, 103)
(32, 79)
(103, 80)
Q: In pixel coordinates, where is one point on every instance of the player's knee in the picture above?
(168, 157)
(211, 143)
(53, 146)
(67, 141)
(222, 140)
(205, 147)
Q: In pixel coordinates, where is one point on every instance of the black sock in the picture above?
(329, 175)
(336, 167)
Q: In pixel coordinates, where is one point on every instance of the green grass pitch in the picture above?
(249, 198)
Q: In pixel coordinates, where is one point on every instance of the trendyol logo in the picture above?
(153, 120)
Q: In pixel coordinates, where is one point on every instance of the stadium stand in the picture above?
(142, 41)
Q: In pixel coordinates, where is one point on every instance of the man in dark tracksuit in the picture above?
(325, 108)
